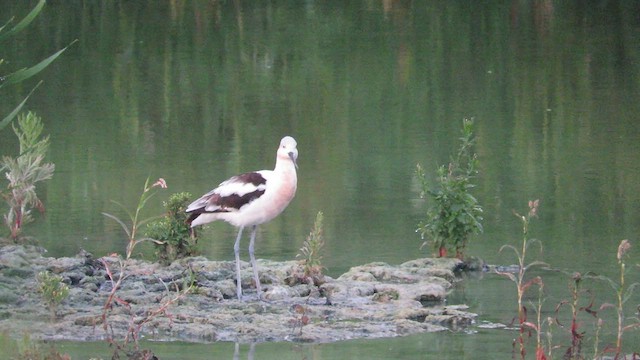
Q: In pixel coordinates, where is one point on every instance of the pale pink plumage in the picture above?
(250, 199)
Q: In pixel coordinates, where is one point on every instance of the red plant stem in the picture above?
(115, 285)
(442, 252)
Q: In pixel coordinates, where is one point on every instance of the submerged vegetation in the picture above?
(454, 214)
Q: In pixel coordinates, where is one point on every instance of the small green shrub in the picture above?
(173, 235)
(455, 213)
(311, 250)
(23, 172)
(52, 290)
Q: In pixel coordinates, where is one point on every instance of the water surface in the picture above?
(197, 91)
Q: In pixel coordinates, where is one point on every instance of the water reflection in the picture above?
(236, 352)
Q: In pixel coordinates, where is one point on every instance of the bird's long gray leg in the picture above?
(236, 250)
(253, 260)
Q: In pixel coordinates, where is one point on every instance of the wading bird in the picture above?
(250, 199)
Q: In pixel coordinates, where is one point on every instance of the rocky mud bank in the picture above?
(369, 301)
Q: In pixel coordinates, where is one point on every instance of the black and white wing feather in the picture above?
(231, 195)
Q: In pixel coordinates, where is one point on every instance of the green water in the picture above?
(197, 91)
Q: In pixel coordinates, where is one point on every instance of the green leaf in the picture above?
(629, 292)
(24, 22)
(26, 73)
(122, 224)
(15, 111)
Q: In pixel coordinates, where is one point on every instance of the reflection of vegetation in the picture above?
(172, 235)
(23, 172)
(455, 214)
(28, 349)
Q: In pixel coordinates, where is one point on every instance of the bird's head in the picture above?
(288, 150)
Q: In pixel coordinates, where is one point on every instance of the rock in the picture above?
(21, 273)
(368, 301)
(7, 295)
(64, 264)
(17, 256)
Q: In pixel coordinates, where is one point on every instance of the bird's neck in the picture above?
(285, 166)
(285, 182)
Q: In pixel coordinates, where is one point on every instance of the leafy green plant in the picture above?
(523, 283)
(116, 278)
(23, 172)
(116, 275)
(136, 222)
(22, 74)
(172, 235)
(576, 304)
(574, 351)
(623, 294)
(311, 250)
(455, 213)
(52, 289)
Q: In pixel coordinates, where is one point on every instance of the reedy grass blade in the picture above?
(129, 213)
(510, 247)
(26, 73)
(614, 285)
(145, 221)
(534, 241)
(15, 111)
(629, 292)
(24, 22)
(631, 326)
(4, 26)
(151, 240)
(122, 224)
(535, 263)
(511, 276)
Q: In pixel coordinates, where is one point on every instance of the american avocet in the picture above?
(250, 199)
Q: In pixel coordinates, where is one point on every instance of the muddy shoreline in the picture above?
(374, 300)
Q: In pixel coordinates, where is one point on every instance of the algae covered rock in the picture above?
(368, 301)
